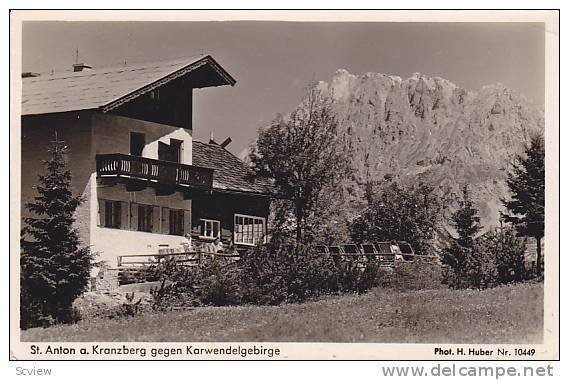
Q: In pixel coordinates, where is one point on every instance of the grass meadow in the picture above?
(507, 314)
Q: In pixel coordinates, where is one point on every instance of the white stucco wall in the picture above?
(111, 134)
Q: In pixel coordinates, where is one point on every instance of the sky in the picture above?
(274, 61)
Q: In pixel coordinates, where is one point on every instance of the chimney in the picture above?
(226, 142)
(81, 67)
(211, 140)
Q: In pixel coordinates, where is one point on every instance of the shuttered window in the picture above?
(145, 217)
(112, 213)
(176, 222)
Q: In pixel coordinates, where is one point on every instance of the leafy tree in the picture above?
(526, 208)
(470, 265)
(54, 268)
(401, 213)
(303, 155)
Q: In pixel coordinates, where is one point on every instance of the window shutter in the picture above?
(187, 222)
(124, 215)
(134, 216)
(101, 213)
(156, 219)
(165, 220)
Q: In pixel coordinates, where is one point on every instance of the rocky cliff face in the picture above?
(428, 129)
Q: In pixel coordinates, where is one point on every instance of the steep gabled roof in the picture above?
(107, 88)
(230, 173)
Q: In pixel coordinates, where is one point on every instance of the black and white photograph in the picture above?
(379, 187)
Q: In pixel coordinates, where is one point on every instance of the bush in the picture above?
(263, 277)
(416, 275)
(497, 257)
(219, 284)
(263, 282)
(509, 252)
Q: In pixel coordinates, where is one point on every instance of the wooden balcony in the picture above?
(147, 171)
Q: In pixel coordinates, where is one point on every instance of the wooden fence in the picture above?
(135, 268)
(384, 253)
(184, 258)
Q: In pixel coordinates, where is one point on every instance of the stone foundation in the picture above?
(106, 281)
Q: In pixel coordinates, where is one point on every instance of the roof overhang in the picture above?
(222, 78)
(106, 88)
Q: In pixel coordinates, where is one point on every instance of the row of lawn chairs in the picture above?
(387, 253)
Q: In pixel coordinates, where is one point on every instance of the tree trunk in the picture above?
(538, 257)
(298, 211)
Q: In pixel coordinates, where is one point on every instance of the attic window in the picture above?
(155, 95)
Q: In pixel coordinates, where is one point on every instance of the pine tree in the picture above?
(55, 269)
(470, 265)
(466, 220)
(526, 208)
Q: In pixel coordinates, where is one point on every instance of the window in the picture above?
(137, 142)
(170, 152)
(145, 214)
(249, 230)
(176, 147)
(155, 94)
(176, 222)
(210, 228)
(113, 213)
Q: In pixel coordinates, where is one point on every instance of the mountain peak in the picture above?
(428, 129)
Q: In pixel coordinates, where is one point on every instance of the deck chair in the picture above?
(351, 249)
(352, 252)
(385, 253)
(406, 251)
(368, 249)
(335, 249)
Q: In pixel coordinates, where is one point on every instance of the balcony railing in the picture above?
(156, 171)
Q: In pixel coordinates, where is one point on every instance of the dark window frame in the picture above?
(145, 218)
(176, 222)
(113, 214)
(137, 143)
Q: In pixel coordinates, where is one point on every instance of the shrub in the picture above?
(263, 277)
(418, 274)
(129, 308)
(509, 252)
(219, 284)
(263, 282)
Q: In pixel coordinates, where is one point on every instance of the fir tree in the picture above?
(470, 266)
(466, 220)
(526, 208)
(55, 269)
